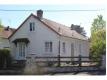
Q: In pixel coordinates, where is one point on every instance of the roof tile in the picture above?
(6, 33)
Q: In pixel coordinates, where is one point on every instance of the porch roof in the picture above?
(26, 40)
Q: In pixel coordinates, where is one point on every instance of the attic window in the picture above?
(32, 26)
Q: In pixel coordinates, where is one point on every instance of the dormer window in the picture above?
(32, 26)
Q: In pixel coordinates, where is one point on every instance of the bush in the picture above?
(5, 58)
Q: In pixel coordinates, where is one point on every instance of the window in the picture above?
(48, 46)
(63, 46)
(72, 49)
(80, 48)
(32, 26)
(21, 49)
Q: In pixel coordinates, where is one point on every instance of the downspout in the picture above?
(59, 48)
(59, 40)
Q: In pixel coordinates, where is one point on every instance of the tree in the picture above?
(98, 43)
(98, 23)
(98, 37)
(78, 29)
(1, 24)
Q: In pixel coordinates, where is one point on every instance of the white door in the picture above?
(21, 50)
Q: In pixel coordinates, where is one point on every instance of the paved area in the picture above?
(84, 73)
(60, 71)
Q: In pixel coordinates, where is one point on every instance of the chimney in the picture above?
(39, 14)
(7, 28)
(72, 26)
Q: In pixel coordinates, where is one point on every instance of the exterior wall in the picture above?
(76, 42)
(43, 34)
(37, 39)
(4, 43)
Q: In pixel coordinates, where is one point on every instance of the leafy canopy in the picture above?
(98, 24)
(98, 37)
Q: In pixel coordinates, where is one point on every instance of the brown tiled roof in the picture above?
(6, 33)
(63, 30)
(58, 28)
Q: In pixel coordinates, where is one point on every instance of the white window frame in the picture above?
(32, 26)
(22, 47)
(48, 46)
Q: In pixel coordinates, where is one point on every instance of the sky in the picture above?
(82, 18)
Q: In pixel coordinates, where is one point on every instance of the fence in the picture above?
(59, 61)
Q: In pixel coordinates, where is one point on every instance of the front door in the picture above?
(21, 50)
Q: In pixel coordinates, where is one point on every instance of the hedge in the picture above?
(5, 58)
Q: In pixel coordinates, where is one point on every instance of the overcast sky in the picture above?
(83, 18)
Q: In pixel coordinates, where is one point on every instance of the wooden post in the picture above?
(58, 60)
(79, 60)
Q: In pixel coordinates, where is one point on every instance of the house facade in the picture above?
(38, 36)
(5, 32)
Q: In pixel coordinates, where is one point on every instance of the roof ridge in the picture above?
(53, 21)
(56, 22)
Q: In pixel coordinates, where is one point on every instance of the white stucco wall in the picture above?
(4, 43)
(42, 34)
(37, 38)
(76, 42)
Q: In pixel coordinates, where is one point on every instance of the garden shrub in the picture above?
(5, 58)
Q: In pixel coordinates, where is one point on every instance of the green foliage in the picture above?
(5, 58)
(98, 42)
(98, 38)
(98, 24)
(1, 24)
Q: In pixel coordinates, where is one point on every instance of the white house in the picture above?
(43, 37)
